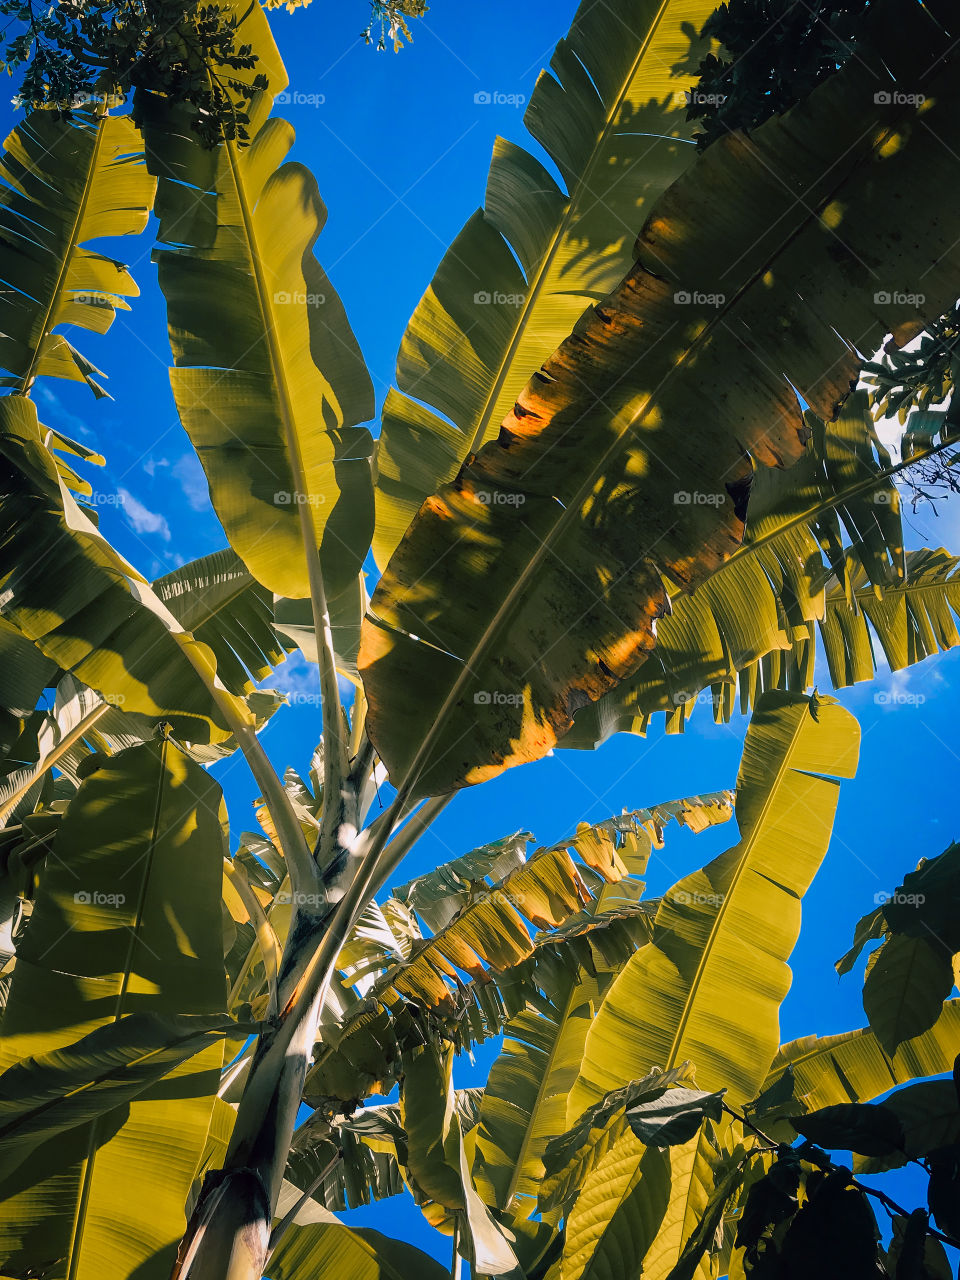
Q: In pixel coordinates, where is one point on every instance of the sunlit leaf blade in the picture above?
(853, 1067)
(47, 1096)
(294, 624)
(618, 1213)
(680, 997)
(722, 1182)
(83, 606)
(482, 967)
(24, 673)
(127, 921)
(752, 621)
(437, 1166)
(549, 888)
(438, 895)
(611, 113)
(354, 1164)
(268, 378)
(530, 585)
(47, 741)
(525, 1098)
(338, 1252)
(67, 179)
(219, 600)
(575, 1151)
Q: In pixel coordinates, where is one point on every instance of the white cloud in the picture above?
(142, 518)
(151, 465)
(193, 482)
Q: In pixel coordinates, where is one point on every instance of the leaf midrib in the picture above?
(567, 218)
(515, 1176)
(516, 594)
(76, 1242)
(72, 244)
(783, 769)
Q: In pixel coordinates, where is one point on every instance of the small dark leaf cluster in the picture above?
(773, 53)
(391, 21)
(82, 52)
(917, 379)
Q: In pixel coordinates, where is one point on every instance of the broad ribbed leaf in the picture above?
(525, 1098)
(367, 1168)
(293, 620)
(574, 1153)
(24, 673)
(675, 1118)
(433, 1135)
(337, 1252)
(753, 619)
(725, 1178)
(682, 996)
(907, 981)
(530, 584)
(439, 894)
(549, 888)
(611, 113)
(127, 921)
(67, 179)
(929, 1115)
(489, 942)
(711, 1159)
(853, 1067)
(618, 1213)
(84, 607)
(436, 1164)
(49, 1095)
(907, 622)
(362, 1057)
(219, 600)
(268, 378)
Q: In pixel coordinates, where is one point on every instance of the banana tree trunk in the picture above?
(228, 1235)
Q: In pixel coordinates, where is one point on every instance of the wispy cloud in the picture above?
(193, 482)
(60, 417)
(142, 518)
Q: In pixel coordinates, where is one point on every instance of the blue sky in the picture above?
(400, 146)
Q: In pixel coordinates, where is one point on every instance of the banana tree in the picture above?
(531, 532)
